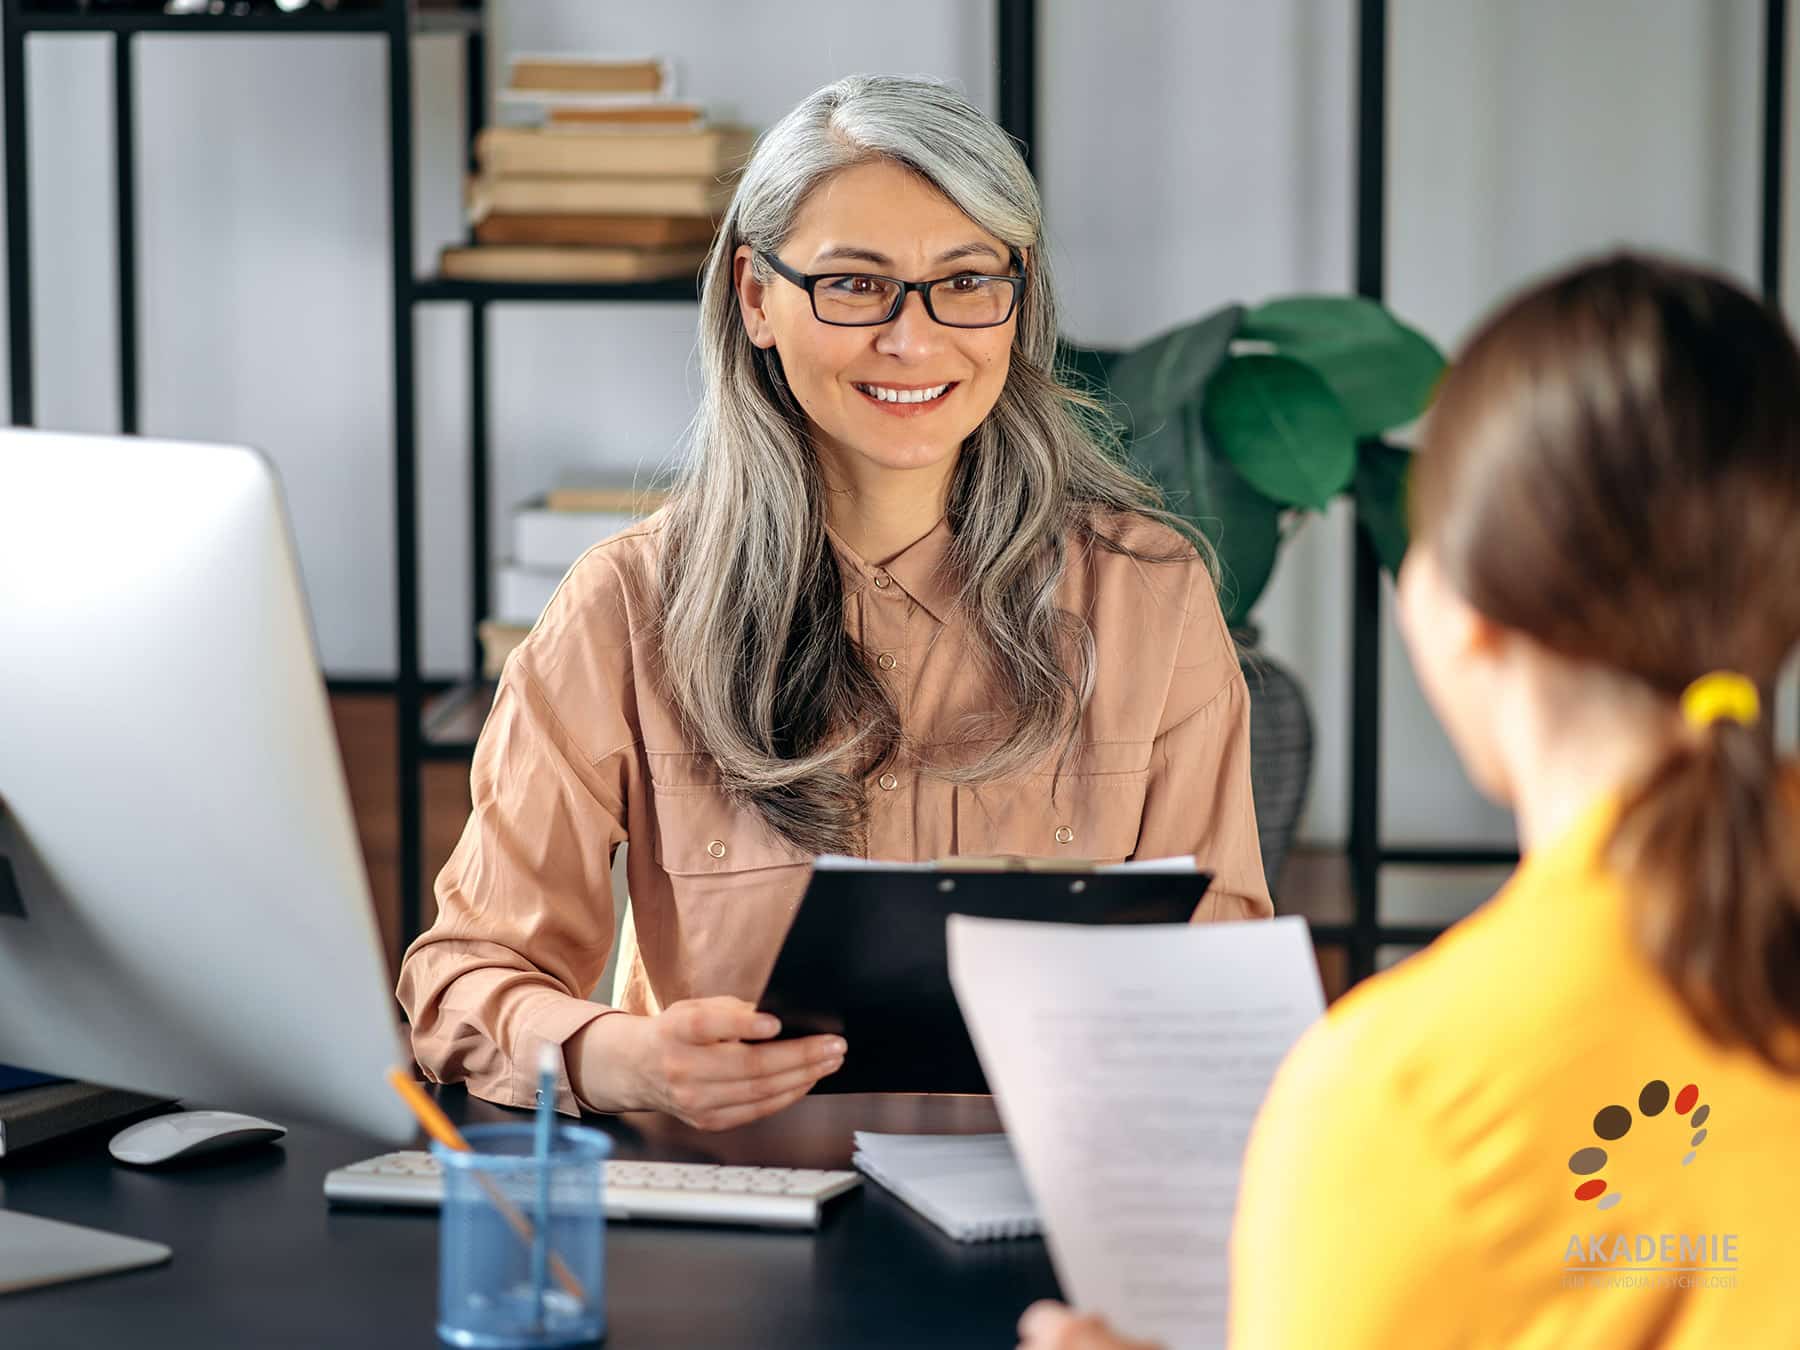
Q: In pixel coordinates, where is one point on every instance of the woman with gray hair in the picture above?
(904, 602)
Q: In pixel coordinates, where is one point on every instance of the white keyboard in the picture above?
(768, 1197)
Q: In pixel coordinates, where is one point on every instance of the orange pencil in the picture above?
(436, 1124)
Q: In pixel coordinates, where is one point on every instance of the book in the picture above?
(499, 641)
(522, 152)
(546, 543)
(969, 1185)
(542, 108)
(624, 116)
(548, 538)
(596, 231)
(567, 262)
(635, 76)
(12, 1079)
(521, 593)
(605, 497)
(636, 196)
(37, 1115)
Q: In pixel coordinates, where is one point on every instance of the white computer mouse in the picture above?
(185, 1134)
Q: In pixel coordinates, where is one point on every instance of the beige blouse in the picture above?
(583, 750)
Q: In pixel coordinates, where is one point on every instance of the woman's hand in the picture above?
(1052, 1326)
(698, 1061)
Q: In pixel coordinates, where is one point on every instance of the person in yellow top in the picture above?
(1572, 1120)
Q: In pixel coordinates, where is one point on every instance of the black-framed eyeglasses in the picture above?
(864, 299)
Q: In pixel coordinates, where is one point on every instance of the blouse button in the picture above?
(889, 782)
(716, 848)
(881, 581)
(885, 661)
(1064, 835)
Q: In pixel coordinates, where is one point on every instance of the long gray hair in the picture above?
(753, 640)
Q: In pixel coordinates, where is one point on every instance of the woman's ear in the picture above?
(1432, 613)
(751, 294)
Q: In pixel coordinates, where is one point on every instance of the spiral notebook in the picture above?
(969, 1185)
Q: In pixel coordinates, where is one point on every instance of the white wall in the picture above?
(1192, 151)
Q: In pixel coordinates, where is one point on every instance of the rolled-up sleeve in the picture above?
(525, 906)
(1198, 798)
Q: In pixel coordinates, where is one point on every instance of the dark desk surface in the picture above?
(260, 1261)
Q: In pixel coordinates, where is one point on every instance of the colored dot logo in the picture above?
(1614, 1122)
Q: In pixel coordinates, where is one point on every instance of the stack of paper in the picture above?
(969, 1185)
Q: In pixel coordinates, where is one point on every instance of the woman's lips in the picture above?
(908, 409)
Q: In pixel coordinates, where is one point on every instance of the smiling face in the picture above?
(902, 395)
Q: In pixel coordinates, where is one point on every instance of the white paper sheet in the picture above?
(844, 862)
(1128, 1063)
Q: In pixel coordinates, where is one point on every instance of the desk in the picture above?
(260, 1261)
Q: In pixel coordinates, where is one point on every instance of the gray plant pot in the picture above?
(1281, 749)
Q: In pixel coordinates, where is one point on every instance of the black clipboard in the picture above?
(864, 956)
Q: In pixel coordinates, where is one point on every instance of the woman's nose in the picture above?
(911, 330)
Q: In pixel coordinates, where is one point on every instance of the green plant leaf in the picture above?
(1382, 475)
(1382, 371)
(1158, 378)
(1282, 428)
(1088, 369)
(1243, 526)
(1161, 453)
(1089, 366)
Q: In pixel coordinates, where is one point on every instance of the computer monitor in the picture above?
(187, 911)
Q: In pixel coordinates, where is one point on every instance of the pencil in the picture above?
(436, 1124)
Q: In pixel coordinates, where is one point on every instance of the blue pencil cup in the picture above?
(498, 1288)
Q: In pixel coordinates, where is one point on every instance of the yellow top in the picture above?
(1414, 1177)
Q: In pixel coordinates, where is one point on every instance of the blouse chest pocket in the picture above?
(702, 832)
(1091, 816)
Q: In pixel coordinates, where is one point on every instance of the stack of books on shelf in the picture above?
(600, 175)
(548, 534)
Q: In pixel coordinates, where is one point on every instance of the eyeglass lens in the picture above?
(961, 301)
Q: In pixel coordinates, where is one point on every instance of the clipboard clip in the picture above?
(1013, 863)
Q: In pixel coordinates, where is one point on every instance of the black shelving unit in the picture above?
(422, 733)
(398, 23)
(420, 737)
(1366, 933)
(390, 19)
(419, 732)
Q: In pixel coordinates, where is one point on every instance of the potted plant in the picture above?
(1251, 420)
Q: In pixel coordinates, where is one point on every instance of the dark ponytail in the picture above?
(1613, 468)
(1711, 850)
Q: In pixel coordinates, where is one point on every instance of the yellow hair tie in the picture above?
(1721, 694)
